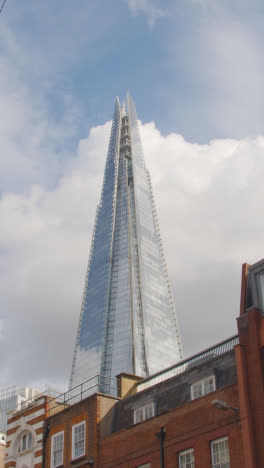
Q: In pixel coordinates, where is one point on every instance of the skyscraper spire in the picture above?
(128, 321)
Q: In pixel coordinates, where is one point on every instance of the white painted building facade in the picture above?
(24, 436)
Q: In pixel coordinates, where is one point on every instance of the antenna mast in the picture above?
(2, 7)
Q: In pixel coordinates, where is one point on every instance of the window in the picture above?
(255, 286)
(57, 449)
(25, 442)
(147, 465)
(145, 412)
(78, 440)
(261, 287)
(220, 453)
(203, 387)
(186, 459)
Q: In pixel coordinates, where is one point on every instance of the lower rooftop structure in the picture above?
(205, 411)
(106, 431)
(13, 397)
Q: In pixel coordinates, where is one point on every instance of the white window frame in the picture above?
(82, 423)
(29, 442)
(221, 464)
(146, 465)
(52, 447)
(144, 410)
(202, 383)
(181, 454)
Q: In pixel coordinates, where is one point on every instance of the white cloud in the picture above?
(218, 69)
(32, 140)
(235, 67)
(149, 7)
(207, 184)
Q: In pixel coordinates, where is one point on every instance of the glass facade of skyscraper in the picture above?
(128, 321)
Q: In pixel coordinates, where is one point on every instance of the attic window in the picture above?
(143, 413)
(261, 288)
(255, 286)
(203, 387)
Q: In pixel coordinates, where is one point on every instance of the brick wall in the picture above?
(250, 367)
(85, 410)
(192, 425)
(250, 375)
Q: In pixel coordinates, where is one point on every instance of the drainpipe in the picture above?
(161, 437)
(45, 435)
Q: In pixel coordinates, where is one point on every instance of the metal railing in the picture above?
(8, 409)
(49, 391)
(95, 384)
(7, 392)
(209, 353)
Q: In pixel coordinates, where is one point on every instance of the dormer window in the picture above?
(143, 413)
(255, 286)
(26, 442)
(203, 387)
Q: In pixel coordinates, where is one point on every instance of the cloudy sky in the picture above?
(195, 71)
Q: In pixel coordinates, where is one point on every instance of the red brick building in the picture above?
(205, 412)
(250, 363)
(185, 426)
(195, 431)
(71, 436)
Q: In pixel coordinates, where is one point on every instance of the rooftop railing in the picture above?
(210, 353)
(23, 403)
(109, 385)
(96, 384)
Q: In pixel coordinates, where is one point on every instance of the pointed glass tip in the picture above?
(123, 110)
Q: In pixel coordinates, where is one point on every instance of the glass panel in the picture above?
(197, 390)
(261, 287)
(79, 442)
(139, 415)
(209, 385)
(149, 411)
(186, 459)
(57, 455)
(79, 433)
(57, 458)
(203, 387)
(89, 345)
(220, 453)
(79, 448)
(29, 440)
(145, 412)
(156, 322)
(24, 442)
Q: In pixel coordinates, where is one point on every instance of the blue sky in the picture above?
(195, 71)
(193, 66)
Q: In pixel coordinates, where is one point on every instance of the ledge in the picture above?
(77, 459)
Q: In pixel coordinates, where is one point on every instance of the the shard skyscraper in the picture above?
(128, 321)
